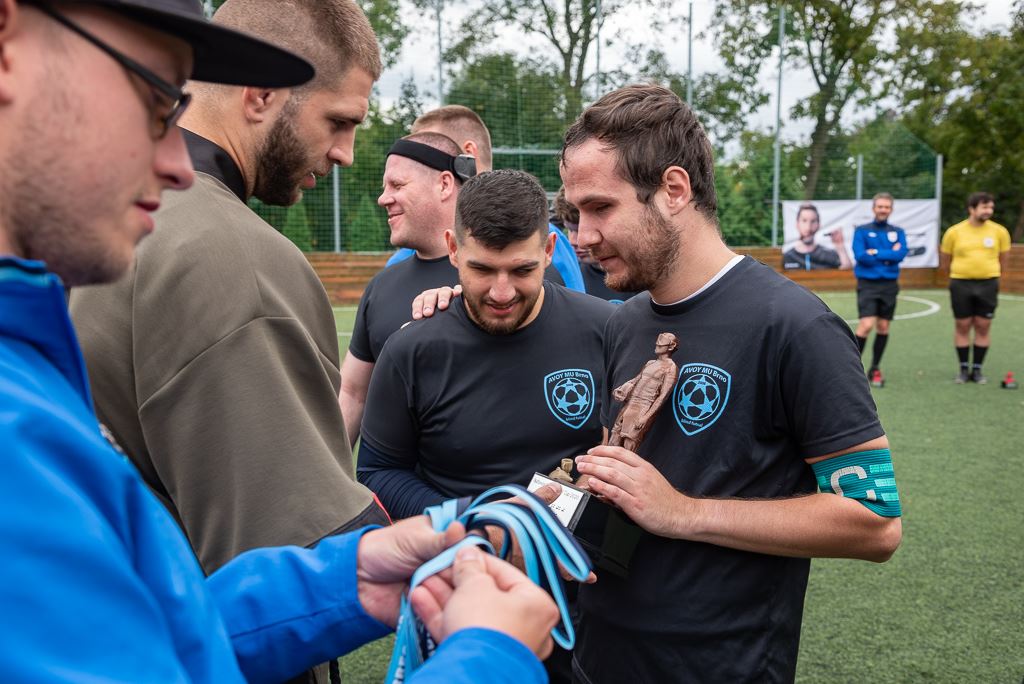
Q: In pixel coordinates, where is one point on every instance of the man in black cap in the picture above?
(235, 425)
(98, 582)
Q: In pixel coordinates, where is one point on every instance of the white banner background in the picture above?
(919, 218)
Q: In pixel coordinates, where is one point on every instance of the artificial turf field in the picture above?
(949, 606)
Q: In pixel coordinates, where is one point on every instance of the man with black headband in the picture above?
(421, 184)
(98, 582)
(468, 130)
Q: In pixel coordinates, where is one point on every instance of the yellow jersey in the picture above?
(975, 249)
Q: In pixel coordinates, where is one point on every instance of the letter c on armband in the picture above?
(865, 476)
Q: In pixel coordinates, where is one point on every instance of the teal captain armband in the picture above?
(866, 476)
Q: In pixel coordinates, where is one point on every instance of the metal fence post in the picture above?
(860, 176)
(336, 182)
(778, 129)
(440, 56)
(689, 58)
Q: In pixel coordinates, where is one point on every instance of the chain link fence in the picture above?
(524, 97)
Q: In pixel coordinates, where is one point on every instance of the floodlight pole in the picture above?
(597, 95)
(778, 129)
(440, 56)
(689, 58)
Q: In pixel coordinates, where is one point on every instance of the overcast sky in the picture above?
(419, 58)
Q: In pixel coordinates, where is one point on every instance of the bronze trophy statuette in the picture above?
(603, 530)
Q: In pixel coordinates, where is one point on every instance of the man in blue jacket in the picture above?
(98, 582)
(878, 248)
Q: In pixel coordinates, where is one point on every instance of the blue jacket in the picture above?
(97, 582)
(885, 265)
(564, 260)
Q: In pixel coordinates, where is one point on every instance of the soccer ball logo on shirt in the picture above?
(570, 395)
(700, 396)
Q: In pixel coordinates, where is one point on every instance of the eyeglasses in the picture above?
(178, 100)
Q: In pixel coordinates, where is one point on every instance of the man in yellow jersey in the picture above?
(974, 252)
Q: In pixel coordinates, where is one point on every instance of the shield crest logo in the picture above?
(700, 396)
(570, 395)
(893, 236)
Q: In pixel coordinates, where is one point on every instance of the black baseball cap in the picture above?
(220, 54)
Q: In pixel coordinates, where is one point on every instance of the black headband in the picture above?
(463, 167)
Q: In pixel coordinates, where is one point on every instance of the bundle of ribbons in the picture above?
(543, 542)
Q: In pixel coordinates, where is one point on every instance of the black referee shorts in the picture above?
(974, 297)
(877, 298)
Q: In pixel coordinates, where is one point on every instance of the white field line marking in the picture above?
(344, 309)
(932, 308)
(1012, 298)
(345, 334)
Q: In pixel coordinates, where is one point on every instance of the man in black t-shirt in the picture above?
(770, 403)
(491, 392)
(419, 196)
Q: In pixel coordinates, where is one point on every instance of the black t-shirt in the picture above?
(386, 304)
(818, 258)
(593, 281)
(767, 376)
(457, 410)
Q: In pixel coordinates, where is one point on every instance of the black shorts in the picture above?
(877, 298)
(974, 297)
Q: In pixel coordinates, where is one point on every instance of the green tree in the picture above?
(972, 115)
(744, 187)
(386, 19)
(722, 101)
(847, 45)
(296, 227)
(568, 27)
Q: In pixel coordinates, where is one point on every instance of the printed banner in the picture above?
(819, 234)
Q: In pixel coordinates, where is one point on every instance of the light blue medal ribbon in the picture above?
(543, 541)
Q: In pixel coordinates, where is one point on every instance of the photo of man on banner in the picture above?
(819, 235)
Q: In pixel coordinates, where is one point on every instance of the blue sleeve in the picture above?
(892, 256)
(481, 655)
(860, 253)
(97, 582)
(565, 262)
(289, 608)
(395, 482)
(399, 256)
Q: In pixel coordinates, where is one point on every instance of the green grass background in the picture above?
(949, 606)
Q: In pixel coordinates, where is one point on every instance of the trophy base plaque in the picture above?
(607, 535)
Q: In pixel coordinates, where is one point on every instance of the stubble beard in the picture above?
(42, 219)
(652, 257)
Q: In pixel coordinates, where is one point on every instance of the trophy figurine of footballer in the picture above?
(602, 529)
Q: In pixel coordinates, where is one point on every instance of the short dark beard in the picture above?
(474, 307)
(281, 163)
(655, 255)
